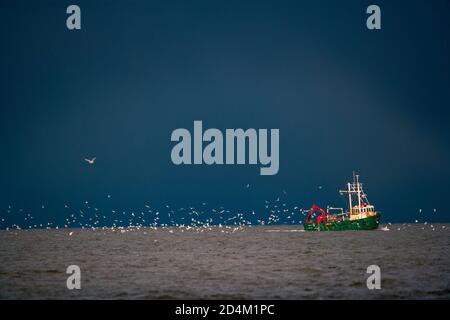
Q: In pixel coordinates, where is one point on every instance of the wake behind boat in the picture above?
(361, 216)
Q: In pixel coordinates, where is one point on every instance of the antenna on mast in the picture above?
(358, 190)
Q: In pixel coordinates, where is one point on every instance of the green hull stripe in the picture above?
(369, 223)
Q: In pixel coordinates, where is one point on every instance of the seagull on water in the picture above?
(90, 161)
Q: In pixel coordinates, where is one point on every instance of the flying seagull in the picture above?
(90, 161)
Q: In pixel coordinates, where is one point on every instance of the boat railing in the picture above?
(329, 209)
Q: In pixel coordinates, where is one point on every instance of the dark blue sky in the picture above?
(344, 98)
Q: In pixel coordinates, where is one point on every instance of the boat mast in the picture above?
(359, 192)
(349, 198)
(355, 188)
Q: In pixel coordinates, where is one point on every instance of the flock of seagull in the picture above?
(200, 218)
(197, 218)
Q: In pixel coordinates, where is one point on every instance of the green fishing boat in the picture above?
(361, 216)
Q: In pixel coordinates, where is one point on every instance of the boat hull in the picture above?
(368, 223)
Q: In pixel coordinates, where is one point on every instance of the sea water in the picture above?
(276, 262)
